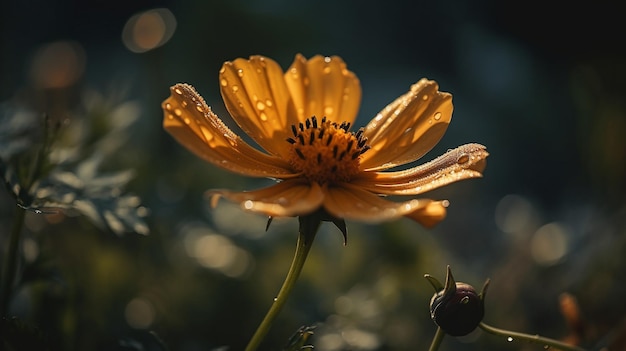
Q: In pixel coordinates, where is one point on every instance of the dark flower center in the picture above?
(325, 151)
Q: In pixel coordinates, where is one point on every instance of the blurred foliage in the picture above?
(547, 219)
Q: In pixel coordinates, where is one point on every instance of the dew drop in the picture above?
(248, 204)
(463, 159)
(263, 116)
(178, 112)
(425, 97)
(437, 116)
(187, 120)
(184, 104)
(178, 91)
(240, 72)
(199, 108)
(269, 103)
(327, 59)
(328, 110)
(170, 116)
(224, 82)
(206, 132)
(326, 70)
(260, 106)
(168, 106)
(235, 88)
(509, 339)
(294, 73)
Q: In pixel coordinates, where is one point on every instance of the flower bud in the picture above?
(458, 309)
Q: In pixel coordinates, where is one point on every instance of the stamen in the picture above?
(331, 160)
(300, 154)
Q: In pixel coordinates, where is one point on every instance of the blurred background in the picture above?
(542, 87)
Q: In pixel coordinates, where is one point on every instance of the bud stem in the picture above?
(437, 339)
(514, 336)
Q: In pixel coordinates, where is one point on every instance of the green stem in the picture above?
(437, 339)
(10, 263)
(514, 336)
(305, 240)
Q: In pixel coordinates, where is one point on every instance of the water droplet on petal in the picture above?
(437, 116)
(235, 88)
(327, 59)
(178, 112)
(184, 103)
(168, 106)
(463, 159)
(240, 72)
(328, 110)
(248, 204)
(509, 339)
(178, 91)
(425, 97)
(269, 103)
(263, 116)
(224, 82)
(326, 70)
(260, 106)
(187, 120)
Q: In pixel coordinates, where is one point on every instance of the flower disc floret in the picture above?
(326, 152)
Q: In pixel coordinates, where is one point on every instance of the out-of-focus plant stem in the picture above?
(10, 262)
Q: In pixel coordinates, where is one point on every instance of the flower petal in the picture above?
(323, 86)
(192, 123)
(351, 202)
(257, 98)
(467, 161)
(407, 128)
(290, 198)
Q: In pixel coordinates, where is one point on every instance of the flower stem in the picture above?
(546, 342)
(308, 229)
(10, 262)
(437, 339)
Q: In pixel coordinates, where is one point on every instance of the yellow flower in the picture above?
(301, 119)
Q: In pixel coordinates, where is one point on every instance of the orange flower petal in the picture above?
(350, 202)
(467, 161)
(407, 128)
(285, 199)
(323, 86)
(192, 123)
(257, 98)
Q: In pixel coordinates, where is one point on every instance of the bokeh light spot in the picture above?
(140, 313)
(549, 244)
(148, 30)
(57, 65)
